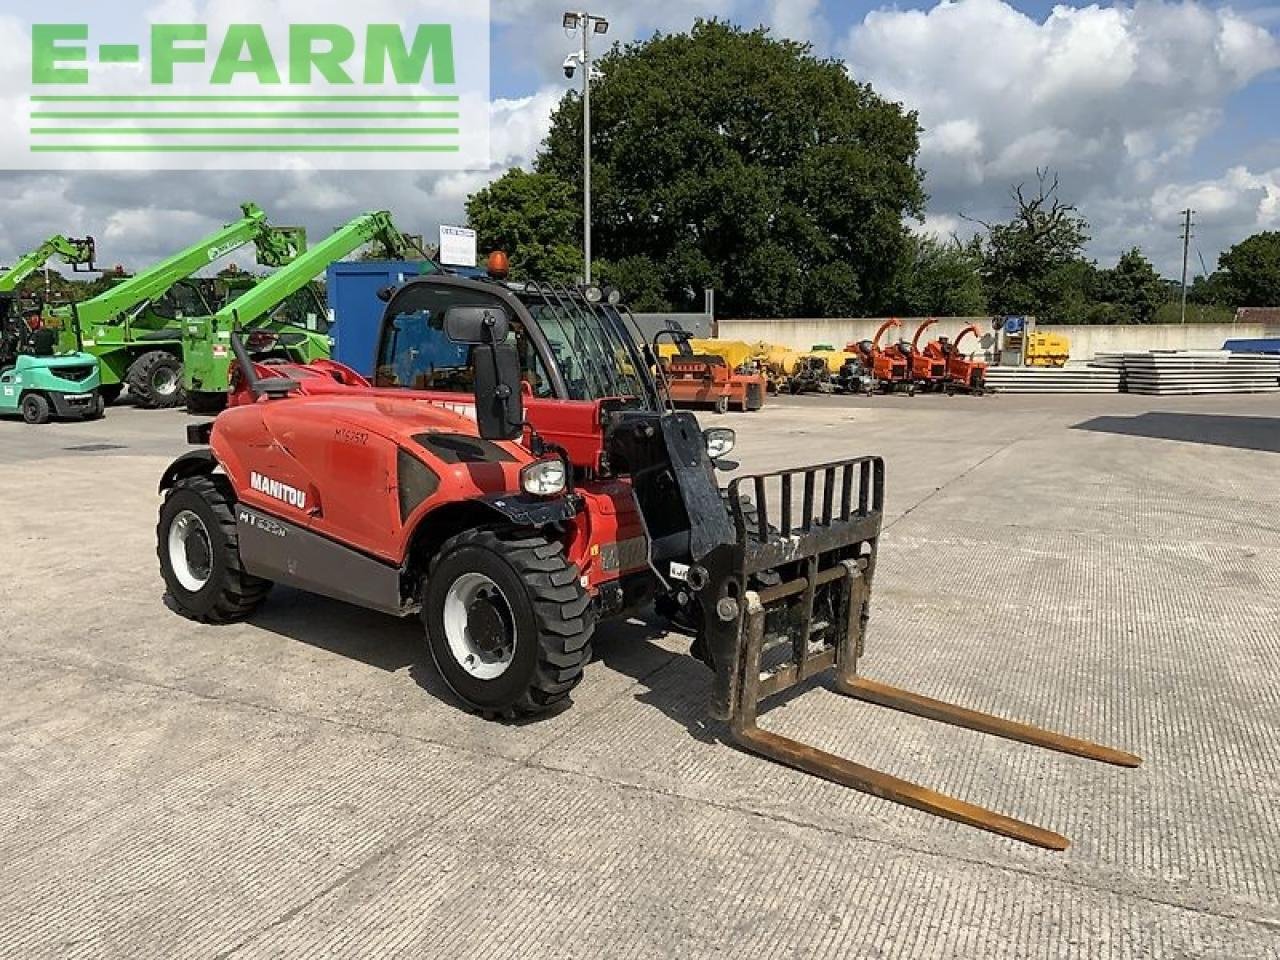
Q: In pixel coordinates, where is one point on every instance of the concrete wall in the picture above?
(1085, 341)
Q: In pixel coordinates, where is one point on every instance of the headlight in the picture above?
(546, 478)
(720, 442)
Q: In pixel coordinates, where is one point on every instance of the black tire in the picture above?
(155, 381)
(110, 393)
(203, 403)
(36, 409)
(97, 409)
(229, 594)
(547, 613)
(722, 405)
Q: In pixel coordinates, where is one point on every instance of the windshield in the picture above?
(597, 355)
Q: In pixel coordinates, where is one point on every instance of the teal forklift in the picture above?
(37, 380)
(134, 329)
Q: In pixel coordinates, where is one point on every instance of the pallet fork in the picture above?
(816, 618)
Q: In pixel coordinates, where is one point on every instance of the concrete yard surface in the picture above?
(303, 785)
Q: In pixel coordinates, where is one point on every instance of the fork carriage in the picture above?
(813, 619)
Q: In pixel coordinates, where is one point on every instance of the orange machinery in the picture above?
(928, 366)
(963, 373)
(891, 368)
(703, 379)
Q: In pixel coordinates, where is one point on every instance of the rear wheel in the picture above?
(155, 381)
(199, 551)
(96, 409)
(35, 409)
(508, 623)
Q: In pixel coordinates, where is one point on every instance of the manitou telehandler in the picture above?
(206, 340)
(76, 253)
(891, 368)
(135, 337)
(516, 475)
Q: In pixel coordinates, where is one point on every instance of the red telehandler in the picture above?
(514, 476)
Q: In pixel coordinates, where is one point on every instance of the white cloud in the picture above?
(140, 217)
(1115, 98)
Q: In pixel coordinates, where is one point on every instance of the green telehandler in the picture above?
(135, 336)
(262, 314)
(36, 380)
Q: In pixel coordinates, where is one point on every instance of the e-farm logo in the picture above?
(408, 88)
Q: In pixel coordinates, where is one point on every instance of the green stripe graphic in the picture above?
(240, 115)
(245, 131)
(244, 148)
(121, 98)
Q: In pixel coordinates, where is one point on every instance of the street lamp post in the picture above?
(588, 23)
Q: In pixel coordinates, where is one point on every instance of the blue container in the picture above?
(357, 311)
(1253, 346)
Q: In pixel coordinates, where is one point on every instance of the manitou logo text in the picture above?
(278, 491)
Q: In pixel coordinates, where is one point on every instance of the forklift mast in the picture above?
(76, 253)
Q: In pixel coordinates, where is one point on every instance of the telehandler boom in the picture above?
(206, 341)
(76, 253)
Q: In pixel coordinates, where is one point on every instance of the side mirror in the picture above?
(499, 391)
(476, 325)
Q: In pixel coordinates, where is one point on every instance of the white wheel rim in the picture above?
(469, 655)
(165, 382)
(186, 530)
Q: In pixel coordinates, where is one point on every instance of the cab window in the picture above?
(415, 353)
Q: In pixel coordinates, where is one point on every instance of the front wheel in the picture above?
(155, 381)
(508, 623)
(199, 550)
(36, 409)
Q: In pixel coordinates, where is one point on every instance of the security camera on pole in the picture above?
(587, 23)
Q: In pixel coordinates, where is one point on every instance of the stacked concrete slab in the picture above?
(1073, 378)
(1198, 372)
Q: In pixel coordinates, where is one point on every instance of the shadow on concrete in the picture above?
(1244, 433)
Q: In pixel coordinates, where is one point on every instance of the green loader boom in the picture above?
(206, 341)
(139, 346)
(76, 253)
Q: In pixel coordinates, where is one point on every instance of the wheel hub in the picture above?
(190, 551)
(164, 382)
(479, 626)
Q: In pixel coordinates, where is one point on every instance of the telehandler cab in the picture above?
(516, 474)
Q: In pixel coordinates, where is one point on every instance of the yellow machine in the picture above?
(1047, 350)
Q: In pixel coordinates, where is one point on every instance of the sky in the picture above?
(1143, 110)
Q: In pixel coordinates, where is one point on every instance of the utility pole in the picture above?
(1187, 224)
(588, 23)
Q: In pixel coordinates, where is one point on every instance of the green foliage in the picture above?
(1132, 291)
(725, 158)
(1034, 264)
(536, 218)
(941, 279)
(1252, 270)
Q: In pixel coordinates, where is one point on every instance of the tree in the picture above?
(941, 279)
(1252, 270)
(535, 218)
(725, 158)
(1133, 289)
(1034, 264)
